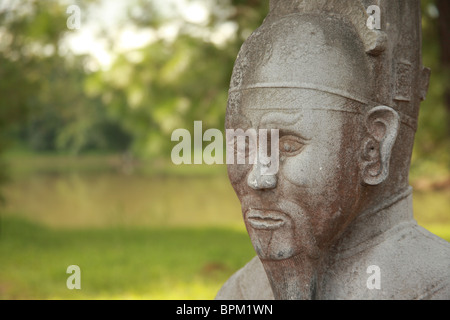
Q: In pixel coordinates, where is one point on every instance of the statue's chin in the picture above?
(274, 244)
(278, 235)
(275, 253)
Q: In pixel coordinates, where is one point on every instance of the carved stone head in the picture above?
(345, 99)
(313, 71)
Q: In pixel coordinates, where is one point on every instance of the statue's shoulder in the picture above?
(436, 253)
(425, 248)
(414, 263)
(248, 283)
(420, 264)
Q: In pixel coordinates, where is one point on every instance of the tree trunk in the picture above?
(444, 38)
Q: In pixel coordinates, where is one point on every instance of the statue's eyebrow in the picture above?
(238, 119)
(282, 118)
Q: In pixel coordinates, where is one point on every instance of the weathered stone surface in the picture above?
(345, 100)
(413, 262)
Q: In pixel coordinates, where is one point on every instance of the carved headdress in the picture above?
(326, 45)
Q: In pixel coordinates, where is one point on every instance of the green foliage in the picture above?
(432, 145)
(44, 106)
(174, 83)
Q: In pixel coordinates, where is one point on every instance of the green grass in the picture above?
(118, 263)
(122, 263)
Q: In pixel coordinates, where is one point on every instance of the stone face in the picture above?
(340, 205)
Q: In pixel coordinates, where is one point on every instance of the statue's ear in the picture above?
(382, 125)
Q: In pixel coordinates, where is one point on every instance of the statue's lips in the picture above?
(266, 219)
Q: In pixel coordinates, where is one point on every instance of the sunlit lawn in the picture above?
(121, 263)
(160, 235)
(118, 263)
(157, 235)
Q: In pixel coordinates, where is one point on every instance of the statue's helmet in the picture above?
(305, 52)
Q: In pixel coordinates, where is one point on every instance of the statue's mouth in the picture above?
(266, 220)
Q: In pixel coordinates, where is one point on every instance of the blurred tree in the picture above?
(171, 83)
(42, 104)
(45, 105)
(22, 37)
(443, 7)
(432, 144)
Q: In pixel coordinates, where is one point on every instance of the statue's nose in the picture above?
(257, 180)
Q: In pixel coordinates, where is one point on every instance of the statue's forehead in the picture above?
(282, 100)
(306, 112)
(276, 118)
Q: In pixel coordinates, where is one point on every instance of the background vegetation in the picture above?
(85, 141)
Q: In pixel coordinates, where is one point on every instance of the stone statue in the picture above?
(336, 220)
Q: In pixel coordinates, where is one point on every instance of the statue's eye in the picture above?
(291, 145)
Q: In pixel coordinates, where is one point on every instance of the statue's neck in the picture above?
(366, 229)
(299, 277)
(292, 279)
